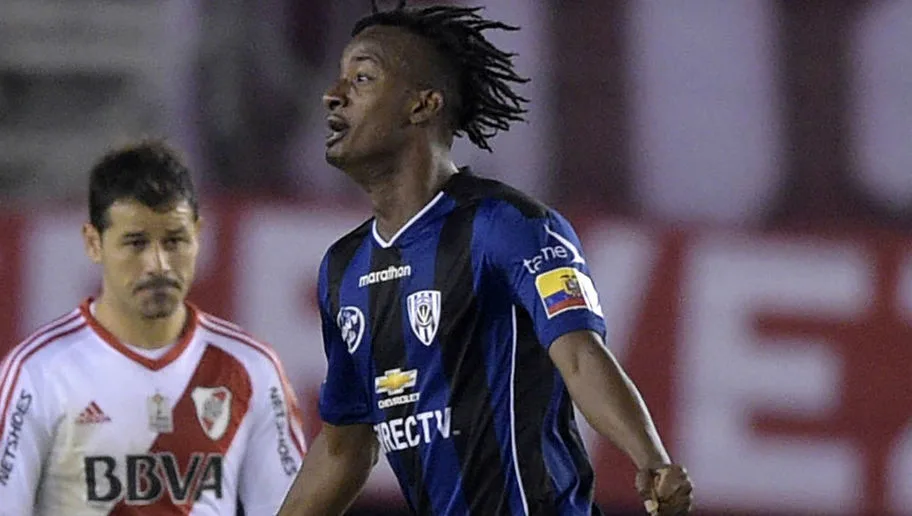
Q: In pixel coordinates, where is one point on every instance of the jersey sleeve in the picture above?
(25, 439)
(542, 263)
(343, 398)
(276, 444)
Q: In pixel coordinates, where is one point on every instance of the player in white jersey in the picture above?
(137, 402)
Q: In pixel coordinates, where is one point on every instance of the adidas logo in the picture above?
(92, 414)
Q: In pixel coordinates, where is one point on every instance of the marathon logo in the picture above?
(11, 445)
(388, 274)
(408, 432)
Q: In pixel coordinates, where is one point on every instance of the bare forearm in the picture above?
(326, 484)
(612, 405)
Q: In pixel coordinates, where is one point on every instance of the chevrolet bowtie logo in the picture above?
(396, 381)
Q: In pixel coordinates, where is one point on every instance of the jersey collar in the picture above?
(412, 221)
(154, 364)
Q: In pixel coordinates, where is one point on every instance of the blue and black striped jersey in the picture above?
(439, 338)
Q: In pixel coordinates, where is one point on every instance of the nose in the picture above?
(334, 98)
(158, 259)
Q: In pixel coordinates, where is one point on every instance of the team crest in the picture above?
(351, 324)
(424, 314)
(213, 409)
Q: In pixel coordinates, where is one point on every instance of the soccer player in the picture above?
(137, 402)
(460, 322)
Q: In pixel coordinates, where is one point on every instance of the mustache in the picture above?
(158, 282)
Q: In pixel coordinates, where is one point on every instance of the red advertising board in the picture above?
(776, 365)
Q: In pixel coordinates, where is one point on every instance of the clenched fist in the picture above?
(665, 490)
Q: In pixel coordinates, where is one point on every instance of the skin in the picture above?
(395, 144)
(148, 259)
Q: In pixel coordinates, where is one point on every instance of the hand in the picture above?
(666, 490)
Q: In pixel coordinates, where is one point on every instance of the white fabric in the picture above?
(71, 400)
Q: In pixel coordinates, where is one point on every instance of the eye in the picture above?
(361, 77)
(136, 244)
(175, 241)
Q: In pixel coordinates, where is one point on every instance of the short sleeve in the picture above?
(276, 444)
(26, 438)
(542, 263)
(343, 398)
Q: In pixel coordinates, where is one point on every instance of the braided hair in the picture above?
(485, 102)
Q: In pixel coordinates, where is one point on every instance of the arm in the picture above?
(607, 397)
(333, 472)
(341, 457)
(611, 404)
(541, 261)
(275, 446)
(24, 442)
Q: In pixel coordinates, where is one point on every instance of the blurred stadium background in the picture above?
(740, 173)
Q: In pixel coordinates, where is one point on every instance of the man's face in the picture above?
(148, 257)
(371, 102)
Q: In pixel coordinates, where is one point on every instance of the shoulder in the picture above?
(494, 197)
(256, 356)
(339, 255)
(507, 216)
(45, 347)
(347, 243)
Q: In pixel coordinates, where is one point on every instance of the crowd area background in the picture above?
(740, 174)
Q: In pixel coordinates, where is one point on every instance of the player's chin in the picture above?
(159, 305)
(336, 155)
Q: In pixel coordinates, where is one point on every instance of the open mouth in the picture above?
(338, 127)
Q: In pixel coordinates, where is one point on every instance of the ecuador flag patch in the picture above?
(562, 289)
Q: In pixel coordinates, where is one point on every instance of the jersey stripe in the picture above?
(7, 363)
(26, 352)
(569, 432)
(199, 457)
(295, 431)
(387, 321)
(10, 364)
(477, 404)
(339, 258)
(226, 323)
(522, 491)
(464, 361)
(534, 384)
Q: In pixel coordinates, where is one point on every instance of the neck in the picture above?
(136, 331)
(407, 185)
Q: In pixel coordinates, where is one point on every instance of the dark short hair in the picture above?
(148, 171)
(485, 101)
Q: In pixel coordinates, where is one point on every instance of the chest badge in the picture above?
(424, 314)
(213, 409)
(351, 324)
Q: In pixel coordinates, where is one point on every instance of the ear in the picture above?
(91, 239)
(427, 106)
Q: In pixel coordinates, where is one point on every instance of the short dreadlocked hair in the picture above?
(486, 103)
